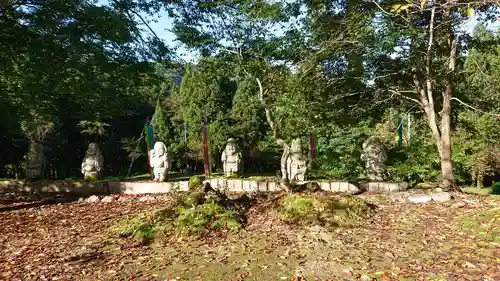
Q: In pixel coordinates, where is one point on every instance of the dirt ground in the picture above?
(455, 240)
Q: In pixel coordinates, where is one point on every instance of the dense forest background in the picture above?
(74, 72)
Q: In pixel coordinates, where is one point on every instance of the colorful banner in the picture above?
(408, 133)
(399, 132)
(150, 139)
(312, 147)
(206, 156)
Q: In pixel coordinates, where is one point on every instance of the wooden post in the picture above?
(206, 157)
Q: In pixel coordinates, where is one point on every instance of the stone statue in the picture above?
(293, 162)
(160, 161)
(231, 158)
(374, 157)
(93, 163)
(35, 161)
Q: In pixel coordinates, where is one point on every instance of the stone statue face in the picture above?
(93, 148)
(296, 147)
(231, 147)
(372, 146)
(159, 149)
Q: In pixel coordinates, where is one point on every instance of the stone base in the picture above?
(242, 185)
(231, 185)
(45, 186)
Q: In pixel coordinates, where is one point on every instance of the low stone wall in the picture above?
(147, 187)
(46, 186)
(240, 185)
(233, 185)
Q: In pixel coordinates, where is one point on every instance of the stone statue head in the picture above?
(372, 145)
(231, 146)
(296, 146)
(159, 148)
(93, 148)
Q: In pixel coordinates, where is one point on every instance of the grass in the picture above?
(485, 224)
(481, 191)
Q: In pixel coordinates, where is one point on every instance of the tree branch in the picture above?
(400, 93)
(428, 60)
(478, 67)
(269, 117)
(475, 109)
(140, 17)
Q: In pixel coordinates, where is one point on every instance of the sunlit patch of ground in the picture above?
(456, 240)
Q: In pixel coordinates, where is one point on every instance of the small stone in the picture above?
(81, 199)
(365, 278)
(347, 271)
(470, 265)
(123, 199)
(441, 197)
(92, 199)
(147, 198)
(108, 199)
(460, 205)
(419, 198)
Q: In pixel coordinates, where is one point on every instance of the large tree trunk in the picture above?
(441, 131)
(448, 180)
(277, 137)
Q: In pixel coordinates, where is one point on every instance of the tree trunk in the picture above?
(278, 139)
(441, 131)
(448, 180)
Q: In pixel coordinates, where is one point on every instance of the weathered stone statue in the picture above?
(35, 161)
(374, 157)
(93, 163)
(231, 158)
(293, 162)
(160, 161)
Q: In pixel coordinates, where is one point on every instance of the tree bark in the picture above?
(448, 180)
(277, 137)
(439, 125)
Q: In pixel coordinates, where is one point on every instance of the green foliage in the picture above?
(159, 122)
(342, 211)
(195, 182)
(496, 189)
(477, 146)
(339, 152)
(86, 70)
(418, 160)
(93, 127)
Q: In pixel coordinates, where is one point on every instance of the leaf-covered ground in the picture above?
(457, 240)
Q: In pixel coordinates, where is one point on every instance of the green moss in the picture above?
(190, 214)
(137, 227)
(342, 211)
(195, 182)
(209, 215)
